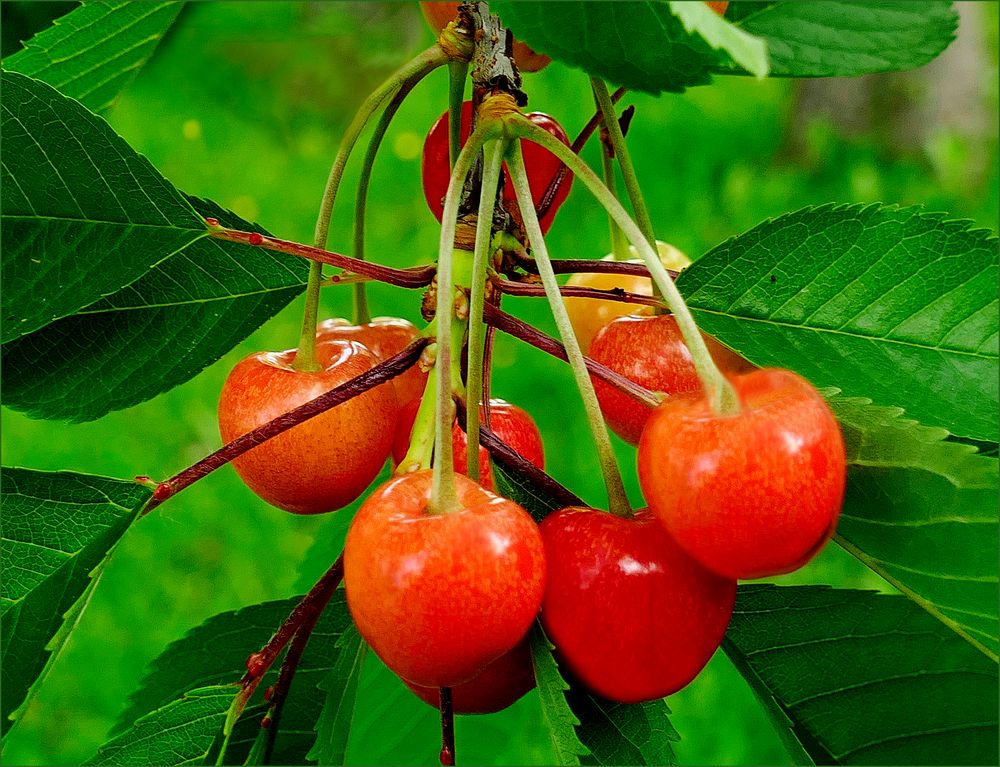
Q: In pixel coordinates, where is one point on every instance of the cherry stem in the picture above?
(409, 74)
(515, 463)
(494, 151)
(513, 288)
(447, 728)
(379, 374)
(617, 138)
(444, 496)
(457, 72)
(720, 393)
(574, 265)
(617, 498)
(362, 315)
(413, 277)
(421, 449)
(519, 329)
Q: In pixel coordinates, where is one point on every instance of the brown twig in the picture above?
(514, 288)
(447, 756)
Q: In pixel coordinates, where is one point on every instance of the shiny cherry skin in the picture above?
(748, 495)
(323, 463)
(541, 165)
(630, 613)
(438, 597)
(650, 351)
(501, 684)
(589, 315)
(384, 337)
(439, 14)
(509, 422)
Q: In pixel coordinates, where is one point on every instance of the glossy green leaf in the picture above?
(640, 45)
(747, 51)
(615, 733)
(154, 334)
(215, 653)
(181, 732)
(333, 727)
(92, 53)
(83, 214)
(58, 527)
(560, 719)
(863, 678)
(923, 513)
(846, 38)
(846, 294)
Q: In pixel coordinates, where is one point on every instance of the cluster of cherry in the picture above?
(636, 603)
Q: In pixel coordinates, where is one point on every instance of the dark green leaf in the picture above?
(640, 45)
(863, 678)
(94, 52)
(559, 717)
(215, 653)
(536, 500)
(898, 305)
(83, 214)
(334, 725)
(57, 529)
(157, 333)
(922, 512)
(181, 732)
(846, 38)
(615, 733)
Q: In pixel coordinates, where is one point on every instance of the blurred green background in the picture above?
(244, 103)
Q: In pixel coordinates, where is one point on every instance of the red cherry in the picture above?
(651, 352)
(542, 166)
(510, 423)
(501, 684)
(440, 596)
(748, 495)
(629, 612)
(324, 463)
(719, 7)
(383, 337)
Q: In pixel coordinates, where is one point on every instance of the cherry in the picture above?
(589, 315)
(630, 613)
(321, 464)
(439, 14)
(509, 422)
(542, 166)
(384, 337)
(718, 7)
(747, 495)
(440, 596)
(651, 352)
(501, 684)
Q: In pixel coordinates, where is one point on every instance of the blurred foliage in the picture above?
(244, 104)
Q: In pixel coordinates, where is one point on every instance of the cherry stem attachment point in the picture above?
(379, 374)
(617, 498)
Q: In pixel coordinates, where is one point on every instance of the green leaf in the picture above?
(94, 52)
(747, 51)
(154, 334)
(181, 732)
(847, 38)
(534, 498)
(640, 45)
(615, 733)
(559, 717)
(215, 653)
(922, 513)
(83, 214)
(58, 528)
(898, 305)
(334, 725)
(864, 678)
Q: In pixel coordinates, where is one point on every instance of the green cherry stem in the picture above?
(444, 497)
(362, 314)
(721, 395)
(457, 71)
(411, 72)
(421, 450)
(493, 159)
(617, 138)
(619, 245)
(617, 498)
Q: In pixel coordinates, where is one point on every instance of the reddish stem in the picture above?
(414, 277)
(519, 329)
(514, 288)
(384, 371)
(447, 728)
